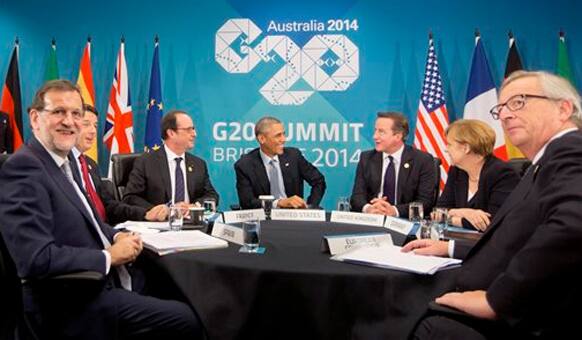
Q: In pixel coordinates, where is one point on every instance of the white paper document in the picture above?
(139, 225)
(391, 257)
(175, 241)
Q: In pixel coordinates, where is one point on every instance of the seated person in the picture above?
(478, 182)
(50, 228)
(273, 169)
(170, 174)
(392, 175)
(108, 208)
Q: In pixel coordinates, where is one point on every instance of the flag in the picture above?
(564, 68)
(85, 84)
(118, 135)
(11, 100)
(482, 96)
(432, 118)
(153, 139)
(513, 64)
(52, 68)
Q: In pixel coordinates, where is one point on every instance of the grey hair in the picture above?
(265, 123)
(553, 86)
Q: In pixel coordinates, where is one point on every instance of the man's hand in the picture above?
(478, 218)
(427, 247)
(125, 249)
(294, 202)
(473, 302)
(381, 206)
(157, 213)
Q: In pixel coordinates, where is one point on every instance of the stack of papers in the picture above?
(143, 227)
(175, 241)
(390, 257)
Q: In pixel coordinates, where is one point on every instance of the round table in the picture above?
(294, 291)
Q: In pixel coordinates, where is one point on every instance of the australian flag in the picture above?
(153, 138)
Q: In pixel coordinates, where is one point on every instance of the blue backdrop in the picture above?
(329, 111)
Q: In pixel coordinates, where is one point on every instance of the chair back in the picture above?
(437, 169)
(122, 165)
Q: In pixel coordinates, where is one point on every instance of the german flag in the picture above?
(11, 100)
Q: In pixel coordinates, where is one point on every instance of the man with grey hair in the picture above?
(273, 169)
(523, 277)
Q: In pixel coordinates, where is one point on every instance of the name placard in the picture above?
(298, 215)
(237, 216)
(357, 218)
(399, 225)
(228, 233)
(337, 244)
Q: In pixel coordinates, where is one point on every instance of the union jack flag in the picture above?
(432, 118)
(118, 136)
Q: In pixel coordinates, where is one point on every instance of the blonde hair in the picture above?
(478, 135)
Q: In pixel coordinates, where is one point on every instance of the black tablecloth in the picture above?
(294, 291)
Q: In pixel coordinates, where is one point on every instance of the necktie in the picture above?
(390, 181)
(93, 196)
(274, 180)
(123, 274)
(179, 192)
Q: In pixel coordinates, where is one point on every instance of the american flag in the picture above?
(118, 135)
(432, 117)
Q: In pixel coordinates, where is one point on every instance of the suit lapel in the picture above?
(165, 173)
(285, 171)
(406, 165)
(376, 172)
(190, 172)
(462, 188)
(62, 182)
(261, 173)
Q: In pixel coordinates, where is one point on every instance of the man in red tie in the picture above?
(100, 196)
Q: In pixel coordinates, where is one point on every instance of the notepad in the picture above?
(176, 241)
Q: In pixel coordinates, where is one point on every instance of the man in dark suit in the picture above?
(273, 169)
(5, 133)
(392, 175)
(523, 277)
(111, 210)
(170, 174)
(50, 228)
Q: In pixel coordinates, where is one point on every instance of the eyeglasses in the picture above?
(187, 129)
(61, 113)
(514, 103)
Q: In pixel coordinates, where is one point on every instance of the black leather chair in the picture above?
(122, 165)
(13, 322)
(520, 165)
(437, 169)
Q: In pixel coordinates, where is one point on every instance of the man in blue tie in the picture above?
(50, 228)
(392, 175)
(273, 169)
(171, 173)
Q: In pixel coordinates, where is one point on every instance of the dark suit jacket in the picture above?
(496, 181)
(252, 180)
(115, 210)
(149, 182)
(529, 258)
(5, 134)
(416, 182)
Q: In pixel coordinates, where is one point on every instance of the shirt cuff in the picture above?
(397, 212)
(451, 248)
(275, 203)
(366, 207)
(107, 261)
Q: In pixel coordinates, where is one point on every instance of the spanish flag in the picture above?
(85, 83)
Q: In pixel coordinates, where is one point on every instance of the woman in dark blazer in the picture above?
(478, 182)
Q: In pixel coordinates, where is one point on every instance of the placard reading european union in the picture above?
(298, 215)
(337, 244)
(228, 232)
(357, 218)
(399, 225)
(237, 216)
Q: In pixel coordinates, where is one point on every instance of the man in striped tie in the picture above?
(50, 229)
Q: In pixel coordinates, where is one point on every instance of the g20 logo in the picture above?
(327, 62)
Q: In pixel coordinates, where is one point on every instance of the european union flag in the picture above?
(153, 138)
